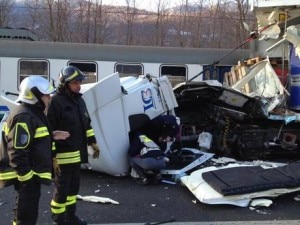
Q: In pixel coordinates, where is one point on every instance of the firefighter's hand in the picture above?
(96, 150)
(60, 135)
(56, 166)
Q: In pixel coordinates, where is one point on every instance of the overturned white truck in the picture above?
(119, 105)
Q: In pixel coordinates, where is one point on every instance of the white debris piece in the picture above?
(91, 198)
(297, 198)
(223, 160)
(261, 202)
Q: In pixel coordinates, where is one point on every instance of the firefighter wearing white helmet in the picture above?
(25, 153)
(68, 111)
(33, 88)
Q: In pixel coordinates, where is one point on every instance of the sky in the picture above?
(145, 4)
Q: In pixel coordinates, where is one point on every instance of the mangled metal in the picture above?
(205, 193)
(256, 118)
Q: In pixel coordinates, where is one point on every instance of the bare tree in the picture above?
(242, 13)
(182, 31)
(197, 24)
(58, 15)
(88, 19)
(193, 23)
(161, 15)
(100, 21)
(34, 18)
(5, 11)
(83, 18)
(212, 10)
(131, 13)
(32, 7)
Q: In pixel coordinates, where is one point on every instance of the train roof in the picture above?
(118, 53)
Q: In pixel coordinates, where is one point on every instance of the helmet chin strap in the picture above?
(38, 95)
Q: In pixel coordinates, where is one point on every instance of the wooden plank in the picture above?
(226, 78)
(234, 78)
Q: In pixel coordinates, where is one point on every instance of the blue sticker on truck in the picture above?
(147, 99)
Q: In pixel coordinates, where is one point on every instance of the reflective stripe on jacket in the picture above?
(69, 113)
(144, 147)
(25, 147)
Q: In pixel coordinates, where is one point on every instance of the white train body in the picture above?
(117, 105)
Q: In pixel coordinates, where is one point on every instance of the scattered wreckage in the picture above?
(258, 131)
(244, 126)
(258, 128)
(216, 121)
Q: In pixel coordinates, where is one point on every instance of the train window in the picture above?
(129, 69)
(176, 74)
(88, 68)
(33, 67)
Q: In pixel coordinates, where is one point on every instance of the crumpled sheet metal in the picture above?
(206, 194)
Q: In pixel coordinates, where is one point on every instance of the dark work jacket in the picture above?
(25, 151)
(142, 146)
(68, 112)
(161, 127)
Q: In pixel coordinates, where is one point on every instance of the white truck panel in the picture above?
(110, 103)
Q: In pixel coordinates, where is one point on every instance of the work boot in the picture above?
(157, 178)
(143, 180)
(61, 223)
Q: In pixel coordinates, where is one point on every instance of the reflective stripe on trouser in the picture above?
(63, 204)
(68, 157)
(27, 203)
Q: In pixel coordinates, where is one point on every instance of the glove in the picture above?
(60, 135)
(166, 159)
(56, 166)
(96, 150)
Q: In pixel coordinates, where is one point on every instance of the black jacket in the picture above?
(142, 146)
(68, 112)
(25, 152)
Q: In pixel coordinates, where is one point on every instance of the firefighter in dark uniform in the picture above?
(25, 153)
(68, 112)
(147, 148)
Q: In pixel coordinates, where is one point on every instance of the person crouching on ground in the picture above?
(146, 151)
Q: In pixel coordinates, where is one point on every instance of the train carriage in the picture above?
(19, 59)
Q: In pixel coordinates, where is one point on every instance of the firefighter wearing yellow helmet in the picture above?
(68, 112)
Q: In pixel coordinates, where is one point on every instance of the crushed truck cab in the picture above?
(118, 106)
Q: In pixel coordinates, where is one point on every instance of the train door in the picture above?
(215, 72)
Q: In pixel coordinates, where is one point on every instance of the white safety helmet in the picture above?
(32, 88)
